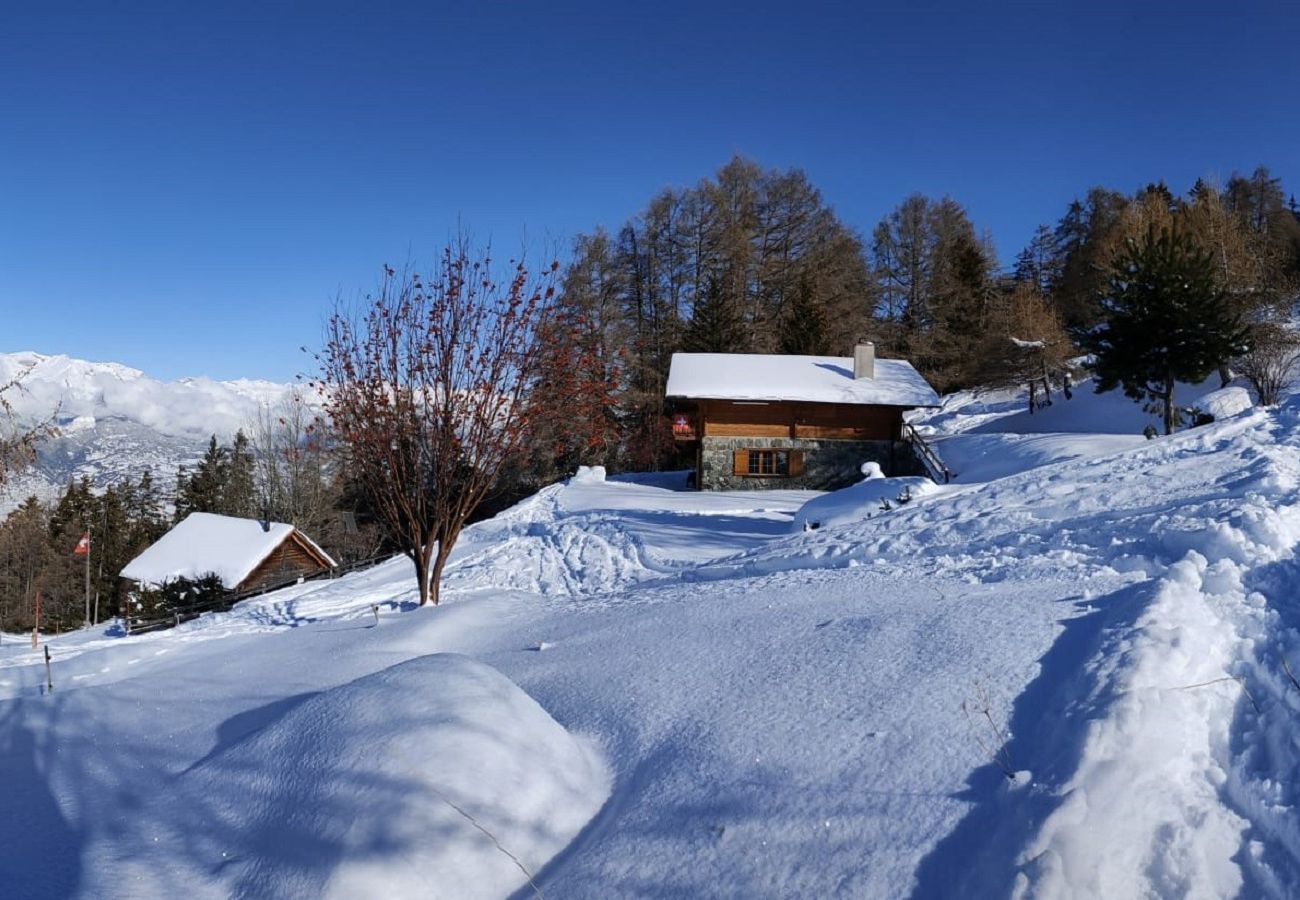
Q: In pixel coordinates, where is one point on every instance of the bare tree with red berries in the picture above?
(18, 442)
(427, 385)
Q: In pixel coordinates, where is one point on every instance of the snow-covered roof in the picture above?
(205, 543)
(816, 379)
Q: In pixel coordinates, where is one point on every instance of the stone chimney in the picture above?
(864, 360)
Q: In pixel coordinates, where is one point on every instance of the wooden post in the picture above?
(49, 679)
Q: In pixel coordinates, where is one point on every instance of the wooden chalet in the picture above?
(245, 554)
(759, 420)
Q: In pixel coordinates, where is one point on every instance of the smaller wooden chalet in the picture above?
(244, 553)
(759, 420)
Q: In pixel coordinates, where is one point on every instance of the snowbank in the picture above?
(423, 779)
(860, 501)
(1142, 814)
(1225, 402)
(1005, 411)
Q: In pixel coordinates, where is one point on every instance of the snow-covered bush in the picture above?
(177, 594)
(868, 497)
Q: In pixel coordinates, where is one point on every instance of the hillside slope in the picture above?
(1070, 680)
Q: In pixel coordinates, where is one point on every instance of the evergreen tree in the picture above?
(145, 511)
(715, 326)
(25, 555)
(63, 582)
(1164, 320)
(1083, 241)
(934, 281)
(803, 329)
(1039, 264)
(201, 491)
(238, 490)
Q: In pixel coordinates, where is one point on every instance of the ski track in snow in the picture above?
(781, 713)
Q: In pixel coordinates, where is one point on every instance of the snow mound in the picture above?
(423, 779)
(860, 501)
(1225, 402)
(589, 475)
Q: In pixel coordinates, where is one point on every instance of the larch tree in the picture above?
(935, 280)
(1024, 344)
(759, 237)
(427, 385)
(1165, 320)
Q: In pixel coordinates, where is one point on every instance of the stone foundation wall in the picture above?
(828, 465)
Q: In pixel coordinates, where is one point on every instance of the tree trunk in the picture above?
(439, 563)
(421, 559)
(1169, 404)
(1033, 395)
(1225, 375)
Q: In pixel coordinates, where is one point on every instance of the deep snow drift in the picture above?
(1071, 679)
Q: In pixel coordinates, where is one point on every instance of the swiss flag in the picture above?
(83, 545)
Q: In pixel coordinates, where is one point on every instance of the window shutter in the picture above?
(796, 462)
(740, 463)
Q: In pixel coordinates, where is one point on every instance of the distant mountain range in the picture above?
(115, 421)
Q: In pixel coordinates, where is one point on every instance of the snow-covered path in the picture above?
(738, 709)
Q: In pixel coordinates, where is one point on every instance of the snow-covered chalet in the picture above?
(245, 554)
(762, 420)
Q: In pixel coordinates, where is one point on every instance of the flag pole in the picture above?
(87, 574)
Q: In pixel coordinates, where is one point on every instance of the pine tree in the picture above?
(803, 328)
(1164, 320)
(25, 555)
(238, 493)
(1039, 264)
(716, 325)
(201, 491)
(145, 511)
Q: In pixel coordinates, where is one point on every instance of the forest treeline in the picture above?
(754, 260)
(287, 471)
(750, 260)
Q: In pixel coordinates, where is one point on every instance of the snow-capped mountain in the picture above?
(115, 421)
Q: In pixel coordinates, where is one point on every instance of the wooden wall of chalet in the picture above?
(813, 421)
(287, 562)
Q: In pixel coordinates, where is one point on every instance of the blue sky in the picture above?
(186, 188)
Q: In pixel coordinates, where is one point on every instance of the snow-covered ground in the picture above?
(1066, 676)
